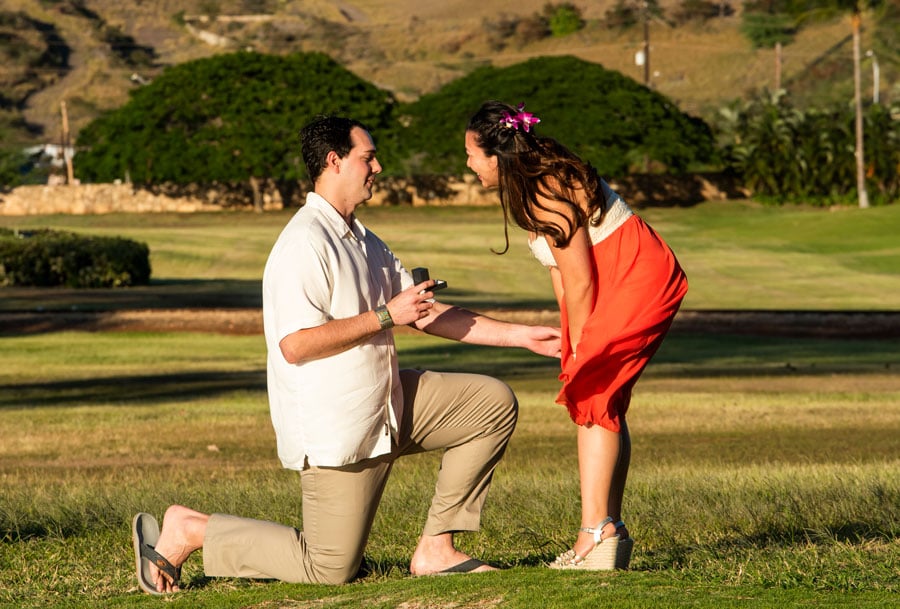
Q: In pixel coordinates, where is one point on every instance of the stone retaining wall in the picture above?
(83, 199)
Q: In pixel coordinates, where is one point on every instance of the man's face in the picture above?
(359, 168)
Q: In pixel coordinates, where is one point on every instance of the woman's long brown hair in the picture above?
(530, 166)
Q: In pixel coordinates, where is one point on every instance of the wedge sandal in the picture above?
(602, 557)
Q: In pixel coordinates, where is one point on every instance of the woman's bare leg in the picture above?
(598, 456)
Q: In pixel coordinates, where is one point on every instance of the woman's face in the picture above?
(484, 166)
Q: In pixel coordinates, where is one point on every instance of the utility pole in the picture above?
(645, 6)
(876, 75)
(70, 170)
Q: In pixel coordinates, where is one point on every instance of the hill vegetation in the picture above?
(91, 53)
(603, 113)
(234, 117)
(613, 121)
(226, 118)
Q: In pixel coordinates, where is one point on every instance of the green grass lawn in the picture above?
(753, 485)
(738, 255)
(766, 470)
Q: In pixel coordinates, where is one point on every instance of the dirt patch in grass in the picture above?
(248, 321)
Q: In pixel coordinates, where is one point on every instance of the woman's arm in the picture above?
(574, 282)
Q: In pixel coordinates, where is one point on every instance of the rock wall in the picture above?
(84, 199)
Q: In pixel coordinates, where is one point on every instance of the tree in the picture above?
(788, 154)
(563, 19)
(855, 8)
(232, 117)
(861, 191)
(603, 116)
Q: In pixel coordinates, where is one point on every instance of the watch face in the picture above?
(384, 317)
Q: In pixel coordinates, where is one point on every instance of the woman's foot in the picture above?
(595, 549)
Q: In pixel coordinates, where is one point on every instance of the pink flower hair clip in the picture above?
(521, 119)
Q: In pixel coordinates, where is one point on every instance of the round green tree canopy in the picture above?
(229, 117)
(606, 118)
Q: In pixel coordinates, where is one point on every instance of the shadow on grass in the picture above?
(136, 389)
(852, 533)
(714, 354)
(476, 359)
(164, 294)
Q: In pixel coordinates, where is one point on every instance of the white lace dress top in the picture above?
(618, 213)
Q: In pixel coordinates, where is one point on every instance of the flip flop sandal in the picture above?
(144, 535)
(467, 566)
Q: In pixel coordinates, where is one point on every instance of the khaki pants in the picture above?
(471, 417)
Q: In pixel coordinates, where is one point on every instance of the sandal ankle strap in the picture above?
(597, 531)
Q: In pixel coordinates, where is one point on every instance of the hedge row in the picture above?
(57, 258)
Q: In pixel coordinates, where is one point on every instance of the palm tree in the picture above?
(855, 8)
(855, 19)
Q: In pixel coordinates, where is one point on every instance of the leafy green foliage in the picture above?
(792, 154)
(626, 14)
(765, 30)
(53, 258)
(564, 18)
(701, 10)
(606, 118)
(226, 118)
(12, 163)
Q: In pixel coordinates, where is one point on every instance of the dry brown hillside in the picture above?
(410, 47)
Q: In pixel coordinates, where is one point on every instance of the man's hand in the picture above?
(412, 304)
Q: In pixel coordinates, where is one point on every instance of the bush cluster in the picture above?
(236, 117)
(788, 154)
(555, 19)
(609, 120)
(45, 258)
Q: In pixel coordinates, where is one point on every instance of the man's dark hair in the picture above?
(321, 136)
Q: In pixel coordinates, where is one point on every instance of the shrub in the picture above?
(765, 30)
(44, 258)
(626, 14)
(787, 154)
(701, 10)
(608, 119)
(232, 117)
(563, 19)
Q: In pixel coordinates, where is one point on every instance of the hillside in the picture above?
(90, 53)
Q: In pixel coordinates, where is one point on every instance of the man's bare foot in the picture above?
(436, 554)
(182, 534)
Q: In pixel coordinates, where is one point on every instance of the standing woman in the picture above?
(618, 286)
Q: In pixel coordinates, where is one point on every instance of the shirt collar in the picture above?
(335, 219)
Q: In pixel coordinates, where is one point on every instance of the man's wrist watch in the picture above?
(384, 317)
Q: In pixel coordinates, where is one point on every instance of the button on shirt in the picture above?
(343, 408)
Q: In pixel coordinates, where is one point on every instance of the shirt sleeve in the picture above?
(298, 287)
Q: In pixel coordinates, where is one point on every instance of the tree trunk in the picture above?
(778, 64)
(257, 194)
(857, 93)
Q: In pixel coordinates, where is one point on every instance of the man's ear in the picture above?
(333, 161)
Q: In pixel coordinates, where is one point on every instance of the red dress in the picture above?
(640, 286)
